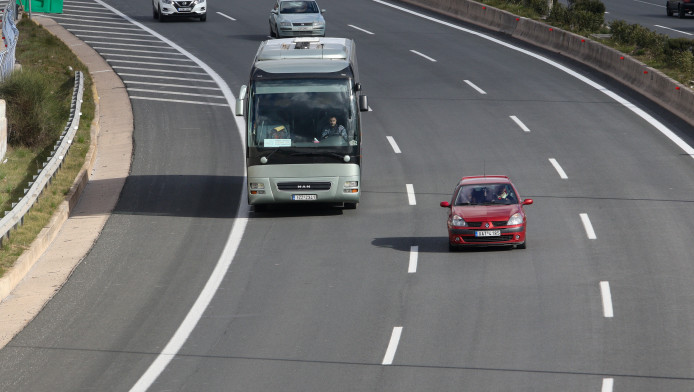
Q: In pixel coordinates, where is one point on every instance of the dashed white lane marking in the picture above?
(410, 194)
(588, 226)
(607, 384)
(606, 299)
(479, 90)
(360, 29)
(520, 123)
(423, 55)
(414, 252)
(393, 144)
(558, 168)
(226, 16)
(392, 346)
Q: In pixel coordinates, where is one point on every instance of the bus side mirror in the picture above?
(363, 103)
(241, 100)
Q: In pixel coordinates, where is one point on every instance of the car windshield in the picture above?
(485, 194)
(310, 113)
(298, 7)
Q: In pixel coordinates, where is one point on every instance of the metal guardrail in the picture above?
(10, 35)
(15, 217)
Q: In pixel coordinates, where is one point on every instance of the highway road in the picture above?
(324, 299)
(650, 14)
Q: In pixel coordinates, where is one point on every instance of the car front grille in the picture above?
(303, 186)
(302, 24)
(502, 238)
(494, 223)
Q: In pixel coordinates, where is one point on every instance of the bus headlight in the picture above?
(257, 188)
(351, 187)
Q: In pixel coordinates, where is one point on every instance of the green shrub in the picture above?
(591, 6)
(539, 6)
(34, 114)
(683, 61)
(675, 45)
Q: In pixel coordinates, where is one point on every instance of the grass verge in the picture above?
(41, 53)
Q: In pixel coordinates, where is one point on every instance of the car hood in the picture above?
(301, 18)
(486, 213)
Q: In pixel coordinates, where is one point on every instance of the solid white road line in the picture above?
(423, 55)
(393, 144)
(414, 252)
(588, 226)
(178, 101)
(607, 384)
(479, 90)
(230, 247)
(520, 123)
(606, 299)
(678, 31)
(226, 16)
(410, 194)
(360, 29)
(558, 168)
(392, 346)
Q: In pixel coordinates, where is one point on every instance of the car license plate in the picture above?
(186, 9)
(303, 197)
(488, 233)
(304, 28)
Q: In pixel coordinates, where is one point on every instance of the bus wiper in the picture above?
(264, 158)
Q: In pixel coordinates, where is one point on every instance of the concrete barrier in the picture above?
(653, 84)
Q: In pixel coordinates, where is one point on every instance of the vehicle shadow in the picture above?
(296, 210)
(428, 245)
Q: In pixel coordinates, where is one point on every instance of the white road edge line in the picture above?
(520, 124)
(414, 252)
(360, 29)
(607, 384)
(393, 144)
(558, 168)
(479, 90)
(588, 226)
(668, 28)
(410, 194)
(655, 123)
(226, 16)
(423, 55)
(228, 253)
(392, 346)
(606, 299)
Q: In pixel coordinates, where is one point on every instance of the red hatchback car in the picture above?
(486, 211)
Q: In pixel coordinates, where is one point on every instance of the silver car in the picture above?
(296, 18)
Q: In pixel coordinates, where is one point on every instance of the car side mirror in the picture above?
(445, 204)
(322, 11)
(527, 202)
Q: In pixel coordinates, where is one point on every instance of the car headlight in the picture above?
(458, 221)
(286, 24)
(318, 24)
(516, 219)
(166, 1)
(200, 2)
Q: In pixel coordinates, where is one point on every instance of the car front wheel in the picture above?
(203, 18)
(668, 10)
(161, 16)
(155, 13)
(680, 11)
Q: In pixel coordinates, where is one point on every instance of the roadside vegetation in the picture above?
(672, 56)
(38, 99)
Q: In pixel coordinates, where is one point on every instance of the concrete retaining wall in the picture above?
(673, 96)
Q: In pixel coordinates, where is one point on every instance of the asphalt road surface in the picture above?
(325, 299)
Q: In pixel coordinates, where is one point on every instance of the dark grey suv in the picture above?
(681, 7)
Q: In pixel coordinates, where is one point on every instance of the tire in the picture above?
(155, 13)
(161, 16)
(350, 206)
(668, 10)
(523, 245)
(452, 248)
(203, 18)
(272, 33)
(259, 208)
(680, 11)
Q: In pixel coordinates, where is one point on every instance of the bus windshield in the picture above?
(308, 113)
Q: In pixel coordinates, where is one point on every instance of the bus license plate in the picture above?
(304, 197)
(488, 233)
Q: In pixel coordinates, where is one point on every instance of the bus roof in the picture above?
(316, 54)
